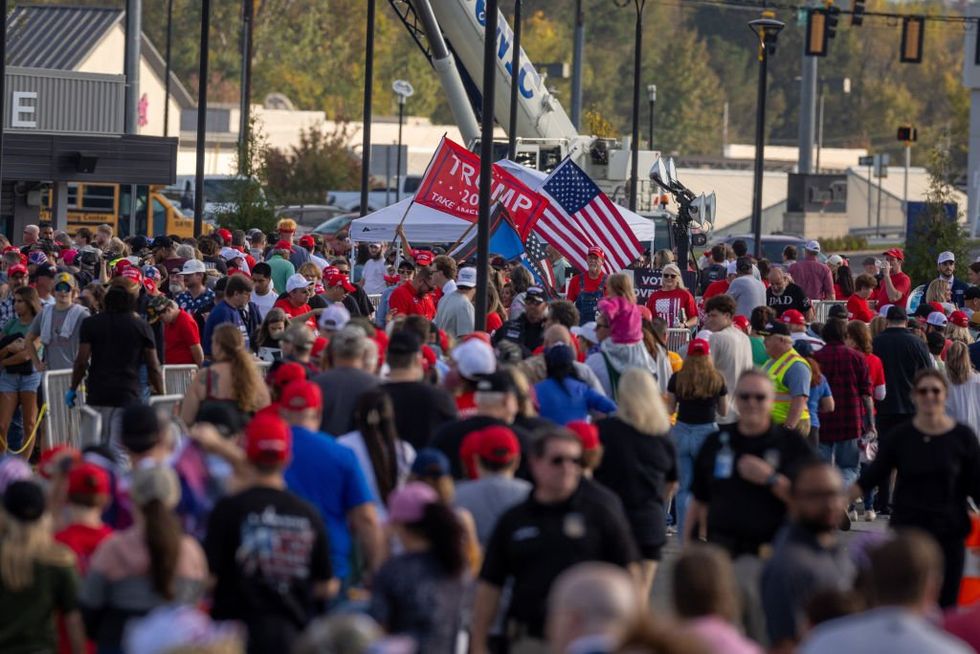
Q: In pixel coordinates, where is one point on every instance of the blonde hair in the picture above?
(957, 333)
(621, 285)
(310, 268)
(641, 403)
(958, 366)
(243, 370)
(672, 267)
(936, 291)
(286, 223)
(877, 325)
(23, 544)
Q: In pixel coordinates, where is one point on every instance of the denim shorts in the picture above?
(14, 383)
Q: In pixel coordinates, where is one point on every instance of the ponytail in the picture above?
(440, 526)
(163, 535)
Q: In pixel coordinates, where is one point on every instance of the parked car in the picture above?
(335, 231)
(308, 216)
(377, 198)
(772, 245)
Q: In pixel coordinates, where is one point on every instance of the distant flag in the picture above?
(537, 261)
(580, 216)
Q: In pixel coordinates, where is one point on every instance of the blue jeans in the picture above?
(688, 440)
(846, 456)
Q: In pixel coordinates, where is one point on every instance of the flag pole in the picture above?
(398, 248)
(462, 238)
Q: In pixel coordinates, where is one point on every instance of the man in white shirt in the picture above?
(444, 275)
(263, 295)
(731, 349)
(456, 314)
(374, 270)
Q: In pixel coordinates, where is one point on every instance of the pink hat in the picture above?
(625, 321)
(407, 504)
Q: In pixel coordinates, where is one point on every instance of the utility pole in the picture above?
(820, 127)
(166, 68)
(486, 163)
(515, 83)
(808, 96)
(202, 118)
(366, 127)
(652, 97)
(637, 64)
(248, 9)
(578, 56)
(131, 64)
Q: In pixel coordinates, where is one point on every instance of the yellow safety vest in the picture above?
(776, 370)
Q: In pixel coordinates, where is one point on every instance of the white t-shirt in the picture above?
(264, 302)
(373, 274)
(731, 351)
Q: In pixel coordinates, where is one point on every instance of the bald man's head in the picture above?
(557, 334)
(591, 599)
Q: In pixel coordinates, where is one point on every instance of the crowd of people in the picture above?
(355, 468)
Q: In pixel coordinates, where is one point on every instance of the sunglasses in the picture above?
(757, 397)
(669, 275)
(558, 461)
(929, 390)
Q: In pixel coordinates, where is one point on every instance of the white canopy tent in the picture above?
(426, 225)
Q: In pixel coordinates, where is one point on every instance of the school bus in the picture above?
(91, 205)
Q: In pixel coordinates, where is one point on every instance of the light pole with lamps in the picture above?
(635, 145)
(515, 83)
(403, 91)
(767, 29)
(652, 96)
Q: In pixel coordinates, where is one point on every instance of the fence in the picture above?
(62, 425)
(177, 379)
(821, 309)
(375, 299)
(677, 338)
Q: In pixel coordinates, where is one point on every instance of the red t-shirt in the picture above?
(178, 337)
(292, 311)
(838, 293)
(404, 301)
(82, 540)
(876, 371)
(591, 285)
(719, 287)
(668, 304)
(857, 309)
(494, 322)
(901, 282)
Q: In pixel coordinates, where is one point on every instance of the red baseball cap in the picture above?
(960, 319)
(496, 444)
(319, 345)
(307, 241)
(150, 286)
(698, 347)
(301, 395)
(936, 306)
(16, 269)
(120, 266)
(132, 273)
(423, 258)
(588, 434)
(286, 373)
(895, 252)
(282, 245)
(792, 317)
(741, 322)
(596, 252)
(391, 280)
(88, 479)
(339, 279)
(47, 464)
(225, 235)
(267, 439)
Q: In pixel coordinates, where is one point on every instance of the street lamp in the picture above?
(652, 96)
(515, 82)
(403, 91)
(366, 112)
(767, 29)
(635, 145)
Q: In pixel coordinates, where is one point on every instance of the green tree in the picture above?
(303, 174)
(252, 207)
(934, 231)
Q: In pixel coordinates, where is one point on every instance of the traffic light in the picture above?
(908, 134)
(857, 13)
(913, 31)
(816, 33)
(833, 17)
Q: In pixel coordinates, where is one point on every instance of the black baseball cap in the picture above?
(140, 428)
(495, 382)
(775, 329)
(535, 294)
(896, 313)
(838, 311)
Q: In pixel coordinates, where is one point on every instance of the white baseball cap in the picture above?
(937, 319)
(835, 260)
(586, 331)
(812, 246)
(474, 358)
(230, 254)
(466, 277)
(334, 317)
(192, 267)
(731, 268)
(883, 311)
(945, 256)
(296, 281)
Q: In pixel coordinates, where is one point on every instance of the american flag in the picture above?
(537, 260)
(580, 216)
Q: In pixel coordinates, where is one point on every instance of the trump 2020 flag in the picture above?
(580, 216)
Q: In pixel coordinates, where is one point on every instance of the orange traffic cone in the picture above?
(970, 585)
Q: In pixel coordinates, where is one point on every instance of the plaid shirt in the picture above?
(847, 373)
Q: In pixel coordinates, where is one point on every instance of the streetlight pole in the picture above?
(635, 145)
(767, 29)
(166, 66)
(652, 96)
(578, 54)
(202, 118)
(486, 161)
(403, 91)
(366, 127)
(248, 10)
(515, 83)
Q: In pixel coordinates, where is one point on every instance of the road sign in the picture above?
(866, 161)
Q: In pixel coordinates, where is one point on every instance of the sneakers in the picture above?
(870, 515)
(853, 514)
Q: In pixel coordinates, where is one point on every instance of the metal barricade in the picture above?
(821, 309)
(177, 379)
(263, 366)
(168, 403)
(677, 338)
(62, 425)
(375, 299)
